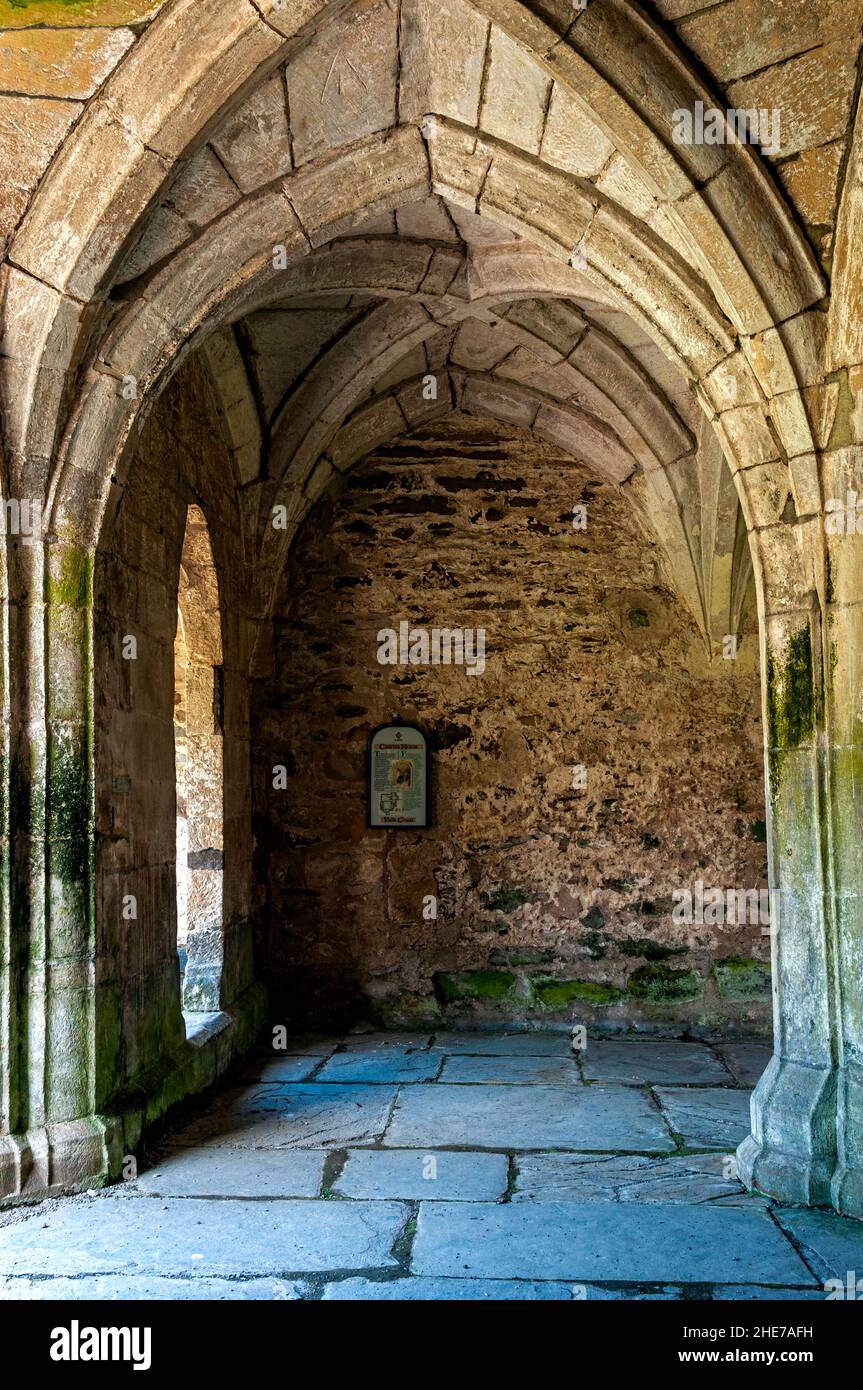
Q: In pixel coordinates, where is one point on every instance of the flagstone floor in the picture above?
(448, 1166)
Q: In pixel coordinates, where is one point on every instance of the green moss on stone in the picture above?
(74, 586)
(69, 821)
(650, 950)
(791, 702)
(659, 984)
(594, 918)
(504, 899)
(474, 984)
(556, 994)
(742, 977)
(406, 1011)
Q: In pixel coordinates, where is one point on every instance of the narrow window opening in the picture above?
(198, 750)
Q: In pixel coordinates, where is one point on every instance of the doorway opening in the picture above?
(199, 764)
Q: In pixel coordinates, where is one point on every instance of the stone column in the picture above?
(806, 1144)
(843, 831)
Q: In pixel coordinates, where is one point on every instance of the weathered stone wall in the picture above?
(553, 901)
(180, 460)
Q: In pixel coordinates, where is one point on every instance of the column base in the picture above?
(847, 1185)
(68, 1157)
(95, 1149)
(791, 1151)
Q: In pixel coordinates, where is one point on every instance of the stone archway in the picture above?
(665, 235)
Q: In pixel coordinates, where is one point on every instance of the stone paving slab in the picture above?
(746, 1061)
(752, 1292)
(526, 1117)
(279, 1069)
(661, 1063)
(187, 1235)
(707, 1118)
(631, 1178)
(376, 1042)
(208, 1172)
(150, 1288)
(306, 1045)
(414, 1290)
(385, 1066)
(282, 1117)
(598, 1242)
(401, 1173)
(832, 1245)
(538, 1071)
(505, 1044)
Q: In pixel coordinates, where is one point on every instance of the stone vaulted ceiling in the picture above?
(479, 193)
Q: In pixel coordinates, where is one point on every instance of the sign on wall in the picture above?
(398, 778)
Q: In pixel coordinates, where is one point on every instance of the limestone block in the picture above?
(163, 233)
(73, 249)
(785, 270)
(140, 346)
(744, 38)
(412, 364)
(604, 363)
(173, 85)
(476, 231)
(805, 484)
(459, 164)
(791, 422)
(237, 247)
(598, 62)
(377, 422)
(60, 62)
(342, 85)
(622, 182)
(30, 132)
(550, 323)
(813, 93)
(443, 44)
(747, 437)
(38, 325)
(427, 220)
(726, 271)
(380, 175)
(441, 275)
(254, 143)
(284, 344)
(511, 404)
(587, 439)
(571, 140)
(202, 191)
(764, 491)
(560, 380)
(812, 182)
(479, 347)
(418, 408)
(549, 206)
(692, 338)
(291, 17)
(516, 95)
(318, 479)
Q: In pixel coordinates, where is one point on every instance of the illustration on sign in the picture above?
(398, 777)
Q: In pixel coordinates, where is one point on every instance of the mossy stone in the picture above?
(556, 994)
(659, 984)
(742, 977)
(474, 984)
